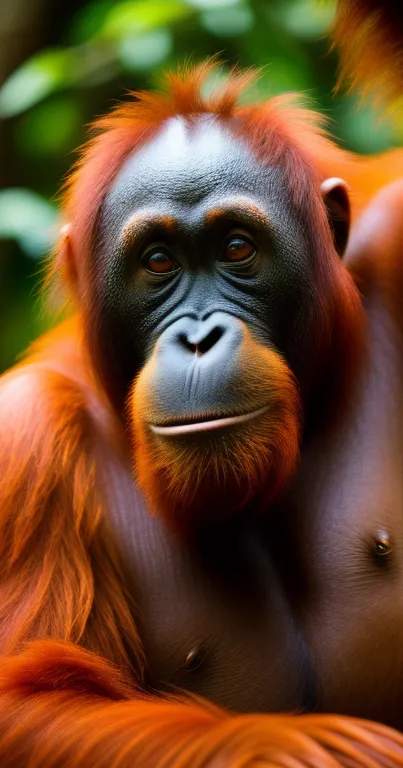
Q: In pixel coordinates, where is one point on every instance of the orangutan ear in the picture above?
(336, 199)
(66, 257)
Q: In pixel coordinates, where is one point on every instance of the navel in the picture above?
(194, 659)
(381, 548)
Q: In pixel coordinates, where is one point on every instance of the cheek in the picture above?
(205, 478)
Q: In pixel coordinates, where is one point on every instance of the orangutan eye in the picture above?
(238, 249)
(159, 262)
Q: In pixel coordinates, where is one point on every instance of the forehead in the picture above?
(187, 165)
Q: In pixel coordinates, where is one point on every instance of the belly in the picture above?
(214, 618)
(216, 622)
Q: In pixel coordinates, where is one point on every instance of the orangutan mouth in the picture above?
(206, 425)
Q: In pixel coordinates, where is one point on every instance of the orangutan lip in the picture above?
(205, 426)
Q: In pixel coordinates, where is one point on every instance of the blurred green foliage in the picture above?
(108, 47)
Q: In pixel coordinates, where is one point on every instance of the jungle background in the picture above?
(64, 63)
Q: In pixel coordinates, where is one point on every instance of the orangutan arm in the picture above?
(62, 707)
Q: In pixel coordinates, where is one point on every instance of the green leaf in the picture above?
(211, 3)
(89, 20)
(39, 76)
(141, 52)
(28, 218)
(306, 19)
(364, 129)
(141, 16)
(228, 22)
(50, 128)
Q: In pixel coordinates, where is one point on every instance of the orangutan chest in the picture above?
(345, 527)
(216, 623)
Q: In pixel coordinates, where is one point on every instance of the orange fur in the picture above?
(71, 666)
(64, 708)
(54, 581)
(369, 34)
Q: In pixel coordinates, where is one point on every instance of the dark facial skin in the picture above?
(190, 201)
